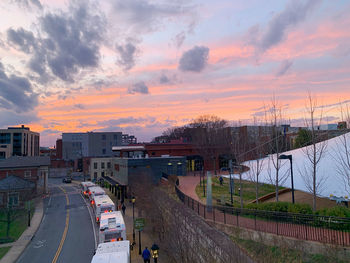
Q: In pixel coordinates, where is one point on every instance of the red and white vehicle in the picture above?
(85, 188)
(112, 227)
(95, 191)
(102, 204)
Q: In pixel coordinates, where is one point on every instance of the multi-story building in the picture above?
(128, 139)
(89, 144)
(19, 141)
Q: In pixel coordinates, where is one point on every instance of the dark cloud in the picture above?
(73, 40)
(295, 12)
(179, 39)
(79, 106)
(139, 87)
(49, 131)
(22, 39)
(284, 67)
(29, 3)
(164, 79)
(145, 15)
(194, 59)
(127, 120)
(68, 42)
(10, 118)
(16, 93)
(126, 55)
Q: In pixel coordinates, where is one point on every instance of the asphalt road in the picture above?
(66, 232)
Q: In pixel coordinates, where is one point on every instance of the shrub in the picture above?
(300, 208)
(282, 207)
(338, 211)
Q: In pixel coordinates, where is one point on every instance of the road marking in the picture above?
(92, 221)
(58, 252)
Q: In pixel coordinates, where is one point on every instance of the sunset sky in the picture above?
(141, 66)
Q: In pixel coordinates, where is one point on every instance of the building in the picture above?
(118, 170)
(128, 139)
(19, 141)
(34, 169)
(15, 191)
(89, 144)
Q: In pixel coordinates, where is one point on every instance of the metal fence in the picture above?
(325, 229)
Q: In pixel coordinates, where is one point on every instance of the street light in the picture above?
(154, 250)
(290, 158)
(231, 181)
(133, 219)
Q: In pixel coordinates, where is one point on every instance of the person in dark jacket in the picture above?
(146, 255)
(123, 208)
(221, 180)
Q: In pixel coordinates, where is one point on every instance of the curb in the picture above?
(23, 241)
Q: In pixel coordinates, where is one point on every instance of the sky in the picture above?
(142, 66)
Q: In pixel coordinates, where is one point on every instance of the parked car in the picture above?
(67, 180)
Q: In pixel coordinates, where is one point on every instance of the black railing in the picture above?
(326, 229)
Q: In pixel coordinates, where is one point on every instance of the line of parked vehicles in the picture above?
(113, 245)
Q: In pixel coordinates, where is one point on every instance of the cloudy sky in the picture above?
(141, 66)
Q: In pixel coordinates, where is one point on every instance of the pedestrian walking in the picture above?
(221, 180)
(146, 255)
(123, 208)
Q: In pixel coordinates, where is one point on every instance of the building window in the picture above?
(109, 165)
(95, 165)
(2, 196)
(13, 199)
(27, 174)
(103, 151)
(95, 175)
(103, 137)
(102, 174)
(102, 165)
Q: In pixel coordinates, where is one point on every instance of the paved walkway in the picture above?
(147, 239)
(187, 184)
(18, 247)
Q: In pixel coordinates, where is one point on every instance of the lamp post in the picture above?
(133, 219)
(231, 181)
(290, 158)
(155, 250)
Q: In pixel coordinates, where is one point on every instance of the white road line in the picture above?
(92, 220)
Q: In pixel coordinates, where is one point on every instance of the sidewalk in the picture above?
(146, 235)
(18, 247)
(187, 184)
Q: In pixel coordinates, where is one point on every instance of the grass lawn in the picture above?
(275, 254)
(3, 251)
(222, 192)
(17, 226)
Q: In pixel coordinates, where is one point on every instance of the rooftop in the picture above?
(25, 161)
(15, 183)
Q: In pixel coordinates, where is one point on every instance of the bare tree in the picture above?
(342, 151)
(210, 135)
(315, 152)
(239, 150)
(274, 117)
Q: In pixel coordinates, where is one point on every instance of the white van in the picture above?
(85, 188)
(112, 227)
(95, 191)
(102, 204)
(112, 252)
